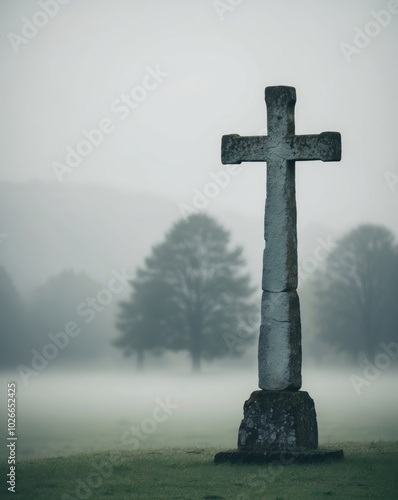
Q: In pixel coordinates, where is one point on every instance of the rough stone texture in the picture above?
(279, 351)
(278, 421)
(280, 340)
(282, 458)
(280, 234)
(325, 147)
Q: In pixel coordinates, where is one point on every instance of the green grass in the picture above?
(370, 470)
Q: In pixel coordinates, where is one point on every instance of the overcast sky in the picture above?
(193, 71)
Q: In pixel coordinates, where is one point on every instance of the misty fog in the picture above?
(62, 413)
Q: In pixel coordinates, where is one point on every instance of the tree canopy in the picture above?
(191, 294)
(356, 296)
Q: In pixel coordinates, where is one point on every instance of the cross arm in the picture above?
(235, 148)
(325, 147)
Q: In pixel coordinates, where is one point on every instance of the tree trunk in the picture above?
(368, 305)
(370, 341)
(196, 363)
(196, 349)
(140, 360)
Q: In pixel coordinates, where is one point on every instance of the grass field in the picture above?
(66, 422)
(369, 471)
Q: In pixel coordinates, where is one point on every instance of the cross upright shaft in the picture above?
(280, 332)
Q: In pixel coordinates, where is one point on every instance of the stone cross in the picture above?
(279, 351)
(279, 418)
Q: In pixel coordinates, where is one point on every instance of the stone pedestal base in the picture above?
(282, 458)
(278, 421)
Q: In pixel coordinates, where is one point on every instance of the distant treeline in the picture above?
(55, 324)
(349, 306)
